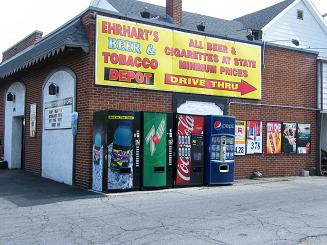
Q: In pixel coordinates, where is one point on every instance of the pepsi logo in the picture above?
(217, 125)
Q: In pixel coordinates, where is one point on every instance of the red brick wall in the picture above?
(284, 83)
(22, 45)
(289, 79)
(174, 10)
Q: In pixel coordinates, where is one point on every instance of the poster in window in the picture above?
(253, 137)
(274, 138)
(289, 138)
(240, 137)
(57, 114)
(32, 120)
(303, 138)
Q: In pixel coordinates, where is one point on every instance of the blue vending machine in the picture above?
(219, 148)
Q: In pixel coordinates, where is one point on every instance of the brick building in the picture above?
(61, 65)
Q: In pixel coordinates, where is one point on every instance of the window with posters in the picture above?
(253, 137)
(240, 137)
(303, 138)
(289, 135)
(274, 138)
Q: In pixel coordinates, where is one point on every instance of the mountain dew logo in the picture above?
(154, 136)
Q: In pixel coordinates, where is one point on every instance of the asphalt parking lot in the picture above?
(266, 211)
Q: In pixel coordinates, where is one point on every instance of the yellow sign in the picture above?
(129, 54)
(120, 117)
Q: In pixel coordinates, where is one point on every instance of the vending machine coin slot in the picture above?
(197, 170)
(224, 168)
(159, 169)
(125, 170)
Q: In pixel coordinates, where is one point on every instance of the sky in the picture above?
(18, 19)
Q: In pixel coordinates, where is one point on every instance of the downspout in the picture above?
(320, 115)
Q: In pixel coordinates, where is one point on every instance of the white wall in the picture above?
(324, 87)
(308, 31)
(199, 108)
(58, 144)
(14, 112)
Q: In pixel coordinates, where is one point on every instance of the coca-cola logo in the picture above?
(186, 125)
(183, 168)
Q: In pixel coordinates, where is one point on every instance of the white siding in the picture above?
(308, 31)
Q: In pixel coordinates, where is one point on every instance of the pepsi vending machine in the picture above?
(189, 170)
(116, 150)
(220, 144)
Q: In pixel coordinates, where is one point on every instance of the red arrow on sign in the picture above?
(245, 88)
(242, 87)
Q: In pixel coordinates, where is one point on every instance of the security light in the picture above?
(53, 89)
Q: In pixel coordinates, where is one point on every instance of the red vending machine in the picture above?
(189, 161)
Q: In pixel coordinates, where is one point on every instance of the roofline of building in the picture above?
(279, 15)
(312, 8)
(162, 25)
(174, 27)
(170, 26)
(55, 31)
(301, 50)
(22, 40)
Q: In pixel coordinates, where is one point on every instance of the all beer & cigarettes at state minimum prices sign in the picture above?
(129, 54)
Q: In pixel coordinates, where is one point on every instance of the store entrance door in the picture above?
(17, 142)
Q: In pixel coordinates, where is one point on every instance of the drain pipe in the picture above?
(320, 115)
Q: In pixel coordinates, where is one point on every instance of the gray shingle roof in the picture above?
(261, 18)
(70, 36)
(214, 26)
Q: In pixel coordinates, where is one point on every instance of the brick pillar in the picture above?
(174, 11)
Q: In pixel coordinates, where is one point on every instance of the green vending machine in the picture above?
(157, 150)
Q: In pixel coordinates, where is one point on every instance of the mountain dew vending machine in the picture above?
(116, 150)
(220, 144)
(189, 168)
(157, 150)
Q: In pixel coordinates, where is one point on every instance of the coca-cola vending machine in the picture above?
(189, 168)
(116, 150)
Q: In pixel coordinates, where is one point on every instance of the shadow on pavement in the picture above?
(25, 190)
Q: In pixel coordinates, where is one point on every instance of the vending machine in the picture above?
(189, 169)
(116, 150)
(157, 150)
(220, 144)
